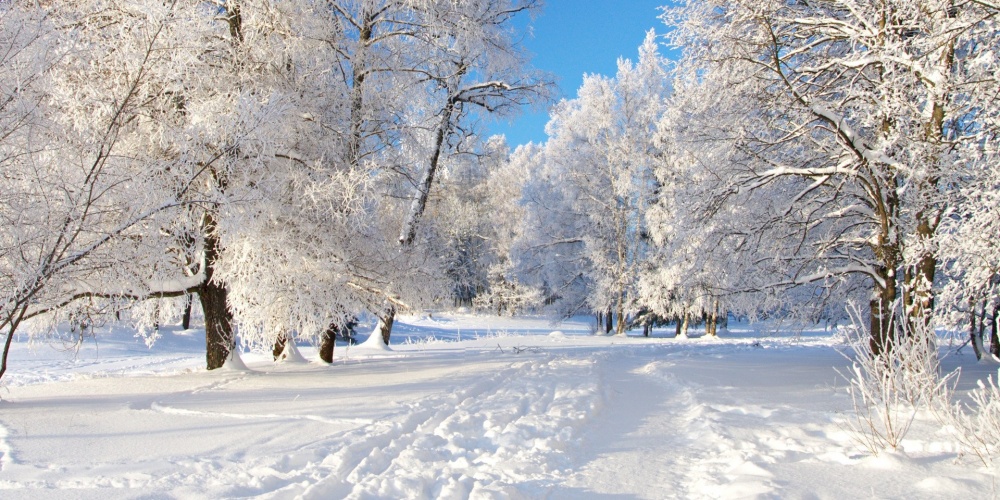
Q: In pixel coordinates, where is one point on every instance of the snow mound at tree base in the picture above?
(291, 354)
(234, 363)
(374, 343)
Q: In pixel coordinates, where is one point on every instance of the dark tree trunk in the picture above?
(994, 334)
(328, 343)
(715, 318)
(218, 324)
(609, 321)
(6, 351)
(620, 313)
(882, 313)
(219, 339)
(186, 318)
(677, 332)
(975, 337)
(385, 324)
(882, 318)
(13, 321)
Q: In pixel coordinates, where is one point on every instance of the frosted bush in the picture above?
(889, 388)
(976, 425)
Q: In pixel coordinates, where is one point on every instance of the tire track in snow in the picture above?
(502, 436)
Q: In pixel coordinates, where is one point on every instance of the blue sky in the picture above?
(573, 37)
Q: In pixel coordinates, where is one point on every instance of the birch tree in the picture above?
(467, 62)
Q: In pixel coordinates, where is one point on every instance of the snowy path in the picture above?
(508, 429)
(504, 416)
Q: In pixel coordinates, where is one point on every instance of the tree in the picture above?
(468, 61)
(80, 185)
(252, 152)
(850, 116)
(601, 152)
(549, 252)
(303, 228)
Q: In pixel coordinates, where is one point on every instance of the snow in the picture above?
(461, 406)
(291, 354)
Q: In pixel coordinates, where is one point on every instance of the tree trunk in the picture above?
(13, 321)
(711, 320)
(882, 315)
(6, 351)
(279, 346)
(684, 329)
(186, 318)
(974, 337)
(715, 318)
(918, 293)
(385, 322)
(608, 321)
(328, 343)
(920, 280)
(982, 323)
(622, 323)
(881, 325)
(409, 230)
(219, 340)
(994, 334)
(677, 332)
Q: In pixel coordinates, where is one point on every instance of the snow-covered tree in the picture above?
(465, 61)
(600, 155)
(549, 252)
(86, 169)
(846, 121)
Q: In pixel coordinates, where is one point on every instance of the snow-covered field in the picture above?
(462, 407)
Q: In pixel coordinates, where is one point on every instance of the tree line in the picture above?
(797, 157)
(294, 164)
(276, 160)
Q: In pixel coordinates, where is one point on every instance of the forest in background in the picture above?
(288, 166)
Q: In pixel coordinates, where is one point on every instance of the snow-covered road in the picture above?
(523, 413)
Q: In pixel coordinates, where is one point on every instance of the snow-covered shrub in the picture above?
(976, 425)
(505, 294)
(889, 388)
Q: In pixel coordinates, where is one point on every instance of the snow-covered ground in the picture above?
(462, 407)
